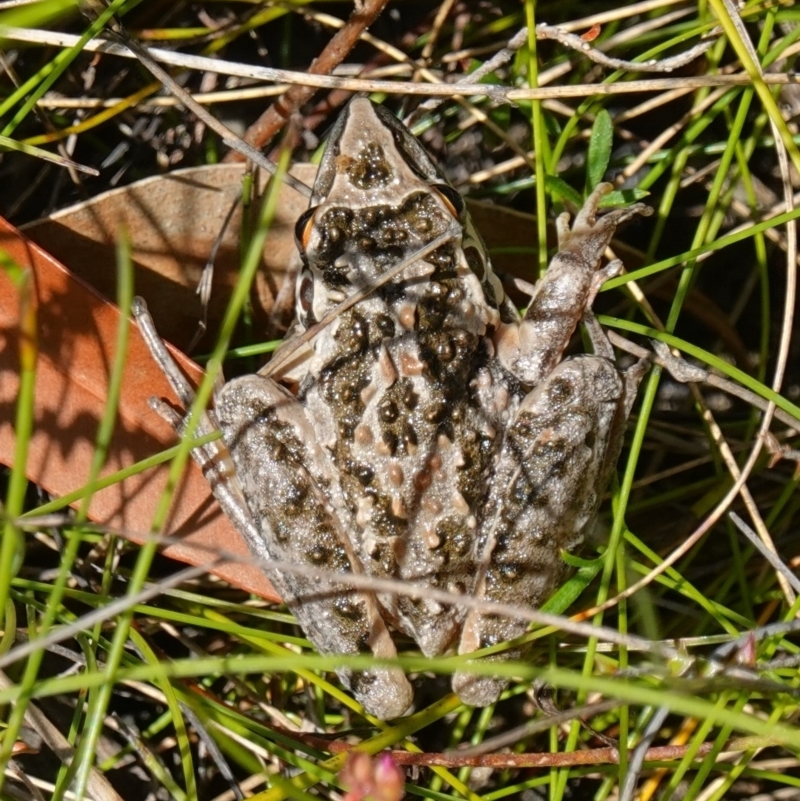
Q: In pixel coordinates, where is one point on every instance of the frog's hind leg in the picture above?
(264, 486)
(302, 519)
(545, 492)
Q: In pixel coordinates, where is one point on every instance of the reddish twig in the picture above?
(594, 756)
(560, 759)
(262, 131)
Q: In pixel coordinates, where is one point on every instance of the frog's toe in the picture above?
(478, 690)
(384, 692)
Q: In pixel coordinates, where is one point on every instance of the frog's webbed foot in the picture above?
(591, 234)
(678, 368)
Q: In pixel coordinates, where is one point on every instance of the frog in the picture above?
(413, 425)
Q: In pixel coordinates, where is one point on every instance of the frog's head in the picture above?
(377, 198)
(370, 156)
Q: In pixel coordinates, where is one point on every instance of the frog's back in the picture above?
(403, 388)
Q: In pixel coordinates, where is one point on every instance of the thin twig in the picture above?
(684, 372)
(790, 295)
(289, 348)
(594, 756)
(229, 138)
(663, 650)
(545, 31)
(495, 92)
(768, 554)
(263, 130)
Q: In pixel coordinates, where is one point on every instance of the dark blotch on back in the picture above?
(560, 390)
(540, 313)
(349, 609)
(370, 169)
(455, 545)
(364, 473)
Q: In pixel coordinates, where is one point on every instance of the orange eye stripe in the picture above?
(305, 235)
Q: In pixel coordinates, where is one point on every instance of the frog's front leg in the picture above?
(280, 495)
(530, 349)
(552, 471)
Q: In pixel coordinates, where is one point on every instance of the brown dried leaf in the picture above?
(511, 230)
(173, 222)
(77, 331)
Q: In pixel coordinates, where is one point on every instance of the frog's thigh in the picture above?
(297, 508)
(545, 491)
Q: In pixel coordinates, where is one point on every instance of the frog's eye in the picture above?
(303, 226)
(451, 198)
